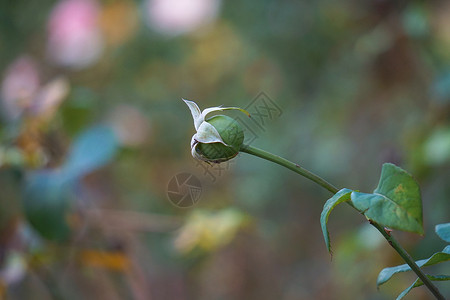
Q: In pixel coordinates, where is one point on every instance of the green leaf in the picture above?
(443, 231)
(46, 201)
(436, 258)
(341, 196)
(395, 203)
(419, 282)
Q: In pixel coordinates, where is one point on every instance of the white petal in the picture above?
(210, 110)
(196, 113)
(207, 134)
(193, 141)
(195, 154)
(219, 108)
(198, 156)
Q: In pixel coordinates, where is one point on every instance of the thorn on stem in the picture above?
(388, 231)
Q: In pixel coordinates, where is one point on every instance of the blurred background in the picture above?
(93, 129)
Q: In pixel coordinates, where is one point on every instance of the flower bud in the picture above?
(218, 138)
(232, 135)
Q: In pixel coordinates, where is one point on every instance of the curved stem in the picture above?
(328, 186)
(290, 165)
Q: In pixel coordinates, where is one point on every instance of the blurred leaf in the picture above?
(46, 203)
(437, 146)
(93, 149)
(419, 282)
(11, 182)
(341, 196)
(11, 156)
(441, 88)
(436, 258)
(443, 231)
(208, 231)
(47, 193)
(395, 203)
(79, 109)
(415, 21)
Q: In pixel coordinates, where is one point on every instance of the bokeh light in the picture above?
(93, 133)
(174, 17)
(74, 36)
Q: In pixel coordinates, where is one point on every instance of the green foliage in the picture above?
(386, 274)
(419, 282)
(48, 194)
(436, 258)
(395, 203)
(93, 149)
(341, 196)
(443, 231)
(46, 202)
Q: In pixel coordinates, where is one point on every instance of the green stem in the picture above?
(409, 260)
(328, 186)
(290, 165)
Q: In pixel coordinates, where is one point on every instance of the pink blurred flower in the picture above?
(23, 94)
(20, 84)
(173, 17)
(74, 37)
